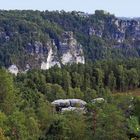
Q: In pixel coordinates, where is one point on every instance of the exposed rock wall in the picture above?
(71, 50)
(117, 29)
(47, 55)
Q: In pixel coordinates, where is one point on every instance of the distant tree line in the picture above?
(84, 81)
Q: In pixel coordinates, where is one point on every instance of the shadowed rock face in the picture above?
(117, 29)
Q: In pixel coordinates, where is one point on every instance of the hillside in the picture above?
(34, 39)
(77, 76)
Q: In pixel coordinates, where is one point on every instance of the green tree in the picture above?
(16, 123)
(7, 92)
(90, 94)
(78, 93)
(76, 80)
(112, 81)
(121, 79)
(105, 128)
(133, 78)
(137, 107)
(133, 127)
(66, 83)
(99, 74)
(70, 125)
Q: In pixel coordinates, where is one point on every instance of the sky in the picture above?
(121, 8)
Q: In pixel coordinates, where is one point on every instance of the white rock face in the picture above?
(80, 59)
(67, 58)
(58, 102)
(69, 105)
(71, 50)
(44, 65)
(50, 61)
(69, 102)
(13, 69)
(98, 100)
(72, 57)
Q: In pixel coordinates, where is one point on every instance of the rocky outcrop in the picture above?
(45, 56)
(117, 29)
(51, 61)
(13, 69)
(69, 105)
(68, 51)
(71, 51)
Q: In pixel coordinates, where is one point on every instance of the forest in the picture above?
(26, 112)
(111, 48)
(102, 35)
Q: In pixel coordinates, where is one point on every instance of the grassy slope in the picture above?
(135, 92)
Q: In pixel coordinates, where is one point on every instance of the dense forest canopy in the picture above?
(27, 113)
(111, 72)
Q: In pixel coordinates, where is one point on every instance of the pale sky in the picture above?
(121, 8)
